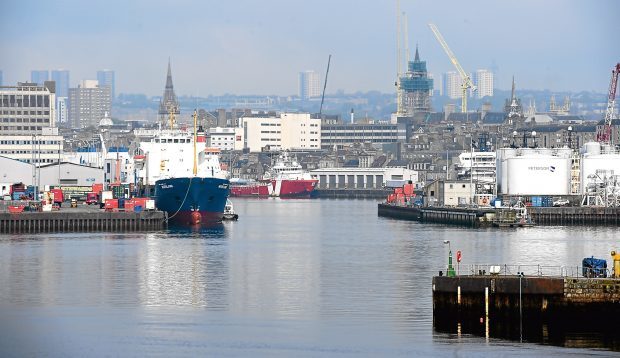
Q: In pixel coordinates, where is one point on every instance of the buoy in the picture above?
(196, 217)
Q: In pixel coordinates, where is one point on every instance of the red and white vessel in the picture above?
(286, 180)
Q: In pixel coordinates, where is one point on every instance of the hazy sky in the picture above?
(258, 47)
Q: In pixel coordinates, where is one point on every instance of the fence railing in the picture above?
(531, 270)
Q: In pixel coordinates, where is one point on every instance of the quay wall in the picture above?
(477, 217)
(508, 306)
(352, 193)
(67, 221)
(578, 215)
(441, 215)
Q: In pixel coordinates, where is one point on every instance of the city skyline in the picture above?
(263, 52)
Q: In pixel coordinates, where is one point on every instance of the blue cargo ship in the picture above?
(192, 200)
(189, 182)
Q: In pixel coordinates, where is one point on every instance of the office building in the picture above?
(483, 80)
(106, 78)
(27, 123)
(61, 77)
(89, 103)
(39, 76)
(270, 132)
(343, 135)
(27, 108)
(309, 85)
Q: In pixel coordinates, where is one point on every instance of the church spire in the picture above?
(169, 102)
(169, 76)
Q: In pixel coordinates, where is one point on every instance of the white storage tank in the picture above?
(592, 148)
(540, 171)
(502, 167)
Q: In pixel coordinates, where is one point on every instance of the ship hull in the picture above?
(293, 188)
(259, 190)
(192, 201)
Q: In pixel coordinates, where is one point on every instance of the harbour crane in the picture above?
(467, 83)
(604, 136)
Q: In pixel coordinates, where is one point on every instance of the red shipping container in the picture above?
(97, 188)
(111, 204)
(16, 209)
(140, 202)
(129, 205)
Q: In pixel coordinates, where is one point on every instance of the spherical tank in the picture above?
(535, 174)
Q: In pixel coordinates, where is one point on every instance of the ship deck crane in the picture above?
(605, 135)
(467, 83)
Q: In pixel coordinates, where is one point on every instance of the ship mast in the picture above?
(171, 111)
(195, 138)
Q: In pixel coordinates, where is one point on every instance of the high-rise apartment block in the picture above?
(106, 78)
(27, 108)
(451, 82)
(62, 112)
(483, 80)
(39, 76)
(88, 103)
(309, 85)
(61, 77)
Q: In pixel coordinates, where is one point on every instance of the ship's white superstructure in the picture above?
(170, 155)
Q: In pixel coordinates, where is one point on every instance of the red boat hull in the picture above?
(283, 189)
(294, 188)
(249, 190)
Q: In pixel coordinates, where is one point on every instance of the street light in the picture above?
(534, 138)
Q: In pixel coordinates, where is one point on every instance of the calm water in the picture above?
(290, 278)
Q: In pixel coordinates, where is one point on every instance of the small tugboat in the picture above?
(515, 216)
(229, 212)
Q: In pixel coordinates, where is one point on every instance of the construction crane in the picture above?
(324, 87)
(605, 136)
(467, 83)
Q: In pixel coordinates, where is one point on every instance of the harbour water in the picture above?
(290, 278)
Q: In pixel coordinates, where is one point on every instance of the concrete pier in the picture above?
(529, 307)
(73, 221)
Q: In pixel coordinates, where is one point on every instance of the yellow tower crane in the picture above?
(467, 83)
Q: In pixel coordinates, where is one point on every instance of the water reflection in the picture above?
(325, 263)
(194, 273)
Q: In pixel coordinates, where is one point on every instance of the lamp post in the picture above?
(450, 272)
(534, 138)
